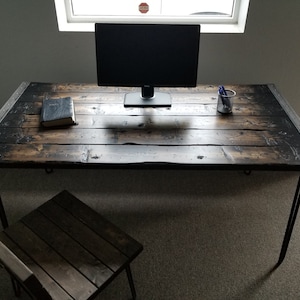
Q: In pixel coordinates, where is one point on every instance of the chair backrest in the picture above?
(22, 274)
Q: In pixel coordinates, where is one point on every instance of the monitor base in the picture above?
(136, 100)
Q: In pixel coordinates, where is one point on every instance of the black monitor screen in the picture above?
(147, 56)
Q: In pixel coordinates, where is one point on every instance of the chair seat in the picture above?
(72, 250)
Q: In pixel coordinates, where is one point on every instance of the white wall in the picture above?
(32, 49)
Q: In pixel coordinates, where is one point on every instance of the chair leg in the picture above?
(130, 280)
(16, 287)
(15, 284)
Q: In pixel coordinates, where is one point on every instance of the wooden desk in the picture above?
(259, 133)
(263, 132)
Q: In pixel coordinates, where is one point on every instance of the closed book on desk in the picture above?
(58, 112)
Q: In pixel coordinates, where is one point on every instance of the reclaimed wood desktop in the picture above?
(262, 133)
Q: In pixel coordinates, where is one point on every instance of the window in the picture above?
(213, 15)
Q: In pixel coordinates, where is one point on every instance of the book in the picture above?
(58, 112)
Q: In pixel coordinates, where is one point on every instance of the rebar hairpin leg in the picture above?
(290, 224)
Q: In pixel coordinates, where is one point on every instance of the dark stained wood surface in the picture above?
(72, 250)
(20, 271)
(261, 133)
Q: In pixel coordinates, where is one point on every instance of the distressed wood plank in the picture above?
(38, 155)
(258, 123)
(90, 87)
(108, 231)
(58, 269)
(270, 123)
(118, 97)
(83, 235)
(56, 292)
(177, 109)
(68, 248)
(70, 251)
(5, 109)
(23, 274)
(102, 156)
(152, 136)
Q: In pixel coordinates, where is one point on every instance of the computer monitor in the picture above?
(147, 56)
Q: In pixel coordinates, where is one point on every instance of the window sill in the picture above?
(205, 28)
(219, 24)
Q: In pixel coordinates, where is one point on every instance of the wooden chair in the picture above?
(65, 250)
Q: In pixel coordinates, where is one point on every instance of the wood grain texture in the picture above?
(258, 134)
(67, 249)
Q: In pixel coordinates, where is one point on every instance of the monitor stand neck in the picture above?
(147, 98)
(147, 91)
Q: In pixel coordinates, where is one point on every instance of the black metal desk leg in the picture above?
(130, 279)
(3, 217)
(290, 224)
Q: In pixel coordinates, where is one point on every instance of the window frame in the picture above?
(209, 23)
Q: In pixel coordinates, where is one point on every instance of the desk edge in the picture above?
(286, 106)
(13, 99)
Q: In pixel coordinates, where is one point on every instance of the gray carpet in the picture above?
(206, 234)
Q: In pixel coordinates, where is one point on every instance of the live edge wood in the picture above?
(263, 132)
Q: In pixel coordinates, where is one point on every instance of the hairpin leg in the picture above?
(290, 224)
(130, 279)
(16, 287)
